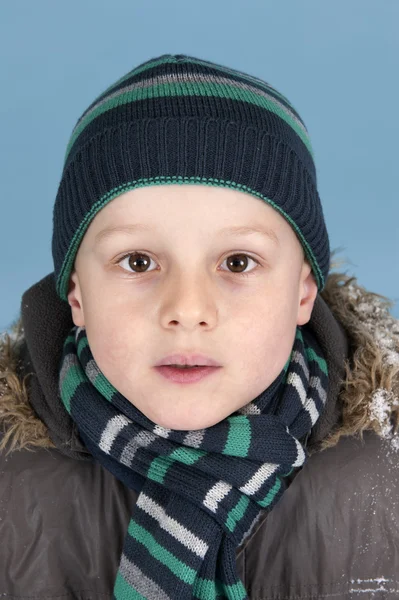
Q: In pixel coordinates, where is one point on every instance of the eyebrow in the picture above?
(232, 230)
(247, 230)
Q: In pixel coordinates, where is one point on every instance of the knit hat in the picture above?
(177, 119)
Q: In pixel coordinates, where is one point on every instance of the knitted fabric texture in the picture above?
(203, 490)
(177, 119)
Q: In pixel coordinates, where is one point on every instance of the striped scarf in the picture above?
(203, 490)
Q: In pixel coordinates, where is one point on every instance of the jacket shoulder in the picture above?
(51, 506)
(332, 532)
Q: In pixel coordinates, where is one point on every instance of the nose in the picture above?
(190, 301)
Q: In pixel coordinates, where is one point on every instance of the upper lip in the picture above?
(188, 359)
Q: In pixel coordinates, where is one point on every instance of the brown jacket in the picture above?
(334, 533)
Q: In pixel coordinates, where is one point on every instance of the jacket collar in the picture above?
(47, 320)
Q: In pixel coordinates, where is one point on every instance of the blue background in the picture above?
(337, 62)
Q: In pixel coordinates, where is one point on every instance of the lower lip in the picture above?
(186, 375)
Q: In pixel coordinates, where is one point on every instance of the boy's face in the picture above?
(186, 295)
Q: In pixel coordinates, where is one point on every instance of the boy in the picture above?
(183, 351)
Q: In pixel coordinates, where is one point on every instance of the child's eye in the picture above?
(141, 261)
(241, 260)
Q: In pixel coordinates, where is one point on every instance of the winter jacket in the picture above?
(334, 533)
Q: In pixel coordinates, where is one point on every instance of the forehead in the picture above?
(215, 208)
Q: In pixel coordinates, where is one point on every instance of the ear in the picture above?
(308, 292)
(75, 300)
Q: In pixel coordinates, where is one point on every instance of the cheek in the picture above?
(116, 337)
(266, 336)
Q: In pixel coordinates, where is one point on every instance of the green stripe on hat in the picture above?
(191, 88)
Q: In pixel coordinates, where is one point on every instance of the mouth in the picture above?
(185, 374)
(187, 360)
(185, 366)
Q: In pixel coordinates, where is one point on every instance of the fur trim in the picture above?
(20, 427)
(369, 393)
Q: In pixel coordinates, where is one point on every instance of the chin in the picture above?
(185, 425)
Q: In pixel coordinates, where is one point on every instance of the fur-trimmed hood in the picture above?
(368, 397)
